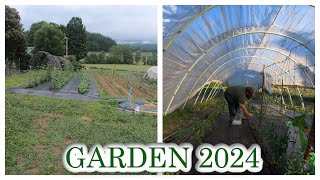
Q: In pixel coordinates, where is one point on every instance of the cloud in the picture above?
(138, 23)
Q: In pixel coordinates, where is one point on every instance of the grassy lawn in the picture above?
(121, 67)
(38, 129)
(17, 80)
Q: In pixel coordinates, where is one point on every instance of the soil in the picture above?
(112, 91)
(119, 86)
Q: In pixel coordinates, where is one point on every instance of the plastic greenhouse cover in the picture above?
(211, 43)
(152, 72)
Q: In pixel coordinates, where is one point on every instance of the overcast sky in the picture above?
(122, 23)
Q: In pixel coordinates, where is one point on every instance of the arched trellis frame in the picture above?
(297, 88)
(230, 60)
(265, 48)
(245, 62)
(219, 79)
(177, 33)
(207, 9)
(246, 33)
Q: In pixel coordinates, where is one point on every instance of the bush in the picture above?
(76, 65)
(91, 59)
(60, 78)
(38, 77)
(84, 84)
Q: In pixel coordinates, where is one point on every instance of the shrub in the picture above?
(76, 64)
(60, 78)
(38, 77)
(84, 84)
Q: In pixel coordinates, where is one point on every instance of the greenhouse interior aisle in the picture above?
(245, 134)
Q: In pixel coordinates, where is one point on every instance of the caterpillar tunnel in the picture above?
(242, 74)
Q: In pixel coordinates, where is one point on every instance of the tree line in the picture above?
(51, 37)
(121, 54)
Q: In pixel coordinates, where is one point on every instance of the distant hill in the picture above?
(99, 42)
(144, 47)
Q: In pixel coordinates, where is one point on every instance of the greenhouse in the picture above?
(269, 48)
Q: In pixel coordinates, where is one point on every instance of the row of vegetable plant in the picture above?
(84, 85)
(60, 78)
(38, 77)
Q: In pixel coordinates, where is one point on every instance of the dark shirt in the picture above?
(237, 93)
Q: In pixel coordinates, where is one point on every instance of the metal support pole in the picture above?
(282, 92)
(291, 102)
(112, 70)
(282, 99)
(205, 92)
(301, 99)
(198, 96)
(218, 90)
(215, 87)
(262, 92)
(214, 92)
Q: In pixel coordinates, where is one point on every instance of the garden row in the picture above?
(119, 85)
(273, 137)
(58, 79)
(192, 123)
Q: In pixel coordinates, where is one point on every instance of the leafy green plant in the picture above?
(277, 142)
(84, 85)
(60, 78)
(76, 65)
(298, 121)
(38, 77)
(199, 119)
(311, 163)
(294, 165)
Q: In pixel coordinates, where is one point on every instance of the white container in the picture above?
(137, 109)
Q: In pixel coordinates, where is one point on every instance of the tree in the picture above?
(144, 60)
(154, 60)
(49, 38)
(101, 58)
(32, 31)
(138, 57)
(76, 32)
(115, 55)
(63, 28)
(121, 54)
(92, 58)
(75, 64)
(127, 55)
(15, 39)
(36, 26)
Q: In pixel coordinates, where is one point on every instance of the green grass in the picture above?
(17, 80)
(149, 54)
(38, 129)
(121, 67)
